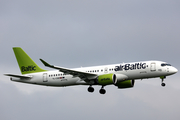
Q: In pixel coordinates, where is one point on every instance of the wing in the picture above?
(18, 76)
(83, 75)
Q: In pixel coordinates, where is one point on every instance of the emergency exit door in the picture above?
(45, 77)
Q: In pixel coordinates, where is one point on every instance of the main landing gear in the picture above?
(101, 91)
(162, 78)
(90, 89)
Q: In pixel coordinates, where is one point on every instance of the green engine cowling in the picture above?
(125, 84)
(107, 79)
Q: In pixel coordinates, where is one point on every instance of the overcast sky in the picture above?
(75, 33)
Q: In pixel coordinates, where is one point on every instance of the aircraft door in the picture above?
(45, 79)
(153, 67)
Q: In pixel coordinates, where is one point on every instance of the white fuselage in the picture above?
(133, 71)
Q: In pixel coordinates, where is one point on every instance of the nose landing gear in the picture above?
(162, 78)
(163, 84)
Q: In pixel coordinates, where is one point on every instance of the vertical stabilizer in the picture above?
(26, 64)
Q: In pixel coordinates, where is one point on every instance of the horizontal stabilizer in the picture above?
(18, 76)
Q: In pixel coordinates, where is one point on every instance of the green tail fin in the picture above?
(26, 64)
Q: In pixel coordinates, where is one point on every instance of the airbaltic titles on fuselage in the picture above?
(121, 67)
(133, 66)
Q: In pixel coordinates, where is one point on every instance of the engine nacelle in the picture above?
(125, 84)
(107, 79)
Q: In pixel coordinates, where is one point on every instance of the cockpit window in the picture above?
(165, 64)
(168, 64)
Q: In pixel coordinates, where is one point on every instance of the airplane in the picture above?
(120, 75)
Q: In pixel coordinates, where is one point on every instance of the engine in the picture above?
(107, 79)
(125, 84)
(118, 80)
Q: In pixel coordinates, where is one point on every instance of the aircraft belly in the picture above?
(62, 82)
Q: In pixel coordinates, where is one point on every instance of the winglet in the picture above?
(45, 63)
(48, 65)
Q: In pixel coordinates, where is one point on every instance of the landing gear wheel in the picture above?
(90, 89)
(102, 91)
(163, 84)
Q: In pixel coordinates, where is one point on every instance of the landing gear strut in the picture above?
(90, 89)
(102, 90)
(163, 84)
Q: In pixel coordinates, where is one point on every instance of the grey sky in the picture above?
(85, 33)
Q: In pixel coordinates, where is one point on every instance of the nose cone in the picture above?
(174, 70)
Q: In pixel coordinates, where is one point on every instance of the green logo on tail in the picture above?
(26, 64)
(28, 68)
